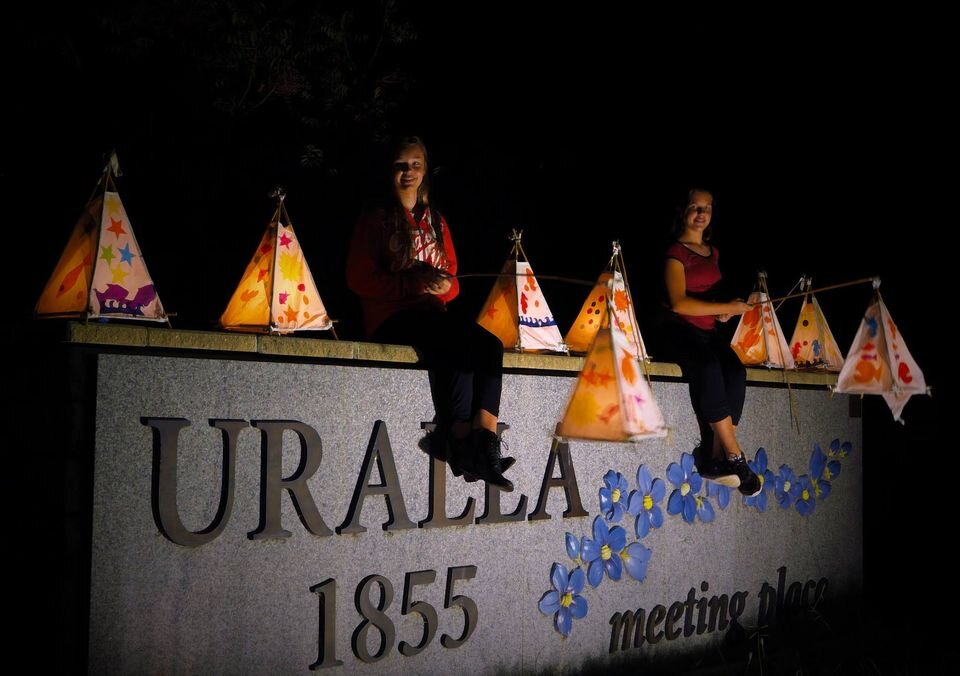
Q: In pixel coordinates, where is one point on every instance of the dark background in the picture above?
(822, 132)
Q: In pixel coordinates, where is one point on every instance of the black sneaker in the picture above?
(713, 469)
(440, 443)
(458, 449)
(749, 482)
(700, 457)
(485, 461)
(458, 452)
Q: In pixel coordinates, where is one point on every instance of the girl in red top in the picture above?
(402, 265)
(717, 377)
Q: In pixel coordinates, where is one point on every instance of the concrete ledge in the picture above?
(148, 337)
(125, 335)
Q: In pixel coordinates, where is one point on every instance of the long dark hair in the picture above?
(680, 214)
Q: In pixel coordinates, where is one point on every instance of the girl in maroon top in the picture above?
(402, 265)
(717, 377)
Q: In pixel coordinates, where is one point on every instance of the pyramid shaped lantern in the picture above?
(878, 361)
(813, 344)
(613, 280)
(101, 273)
(758, 340)
(612, 399)
(516, 311)
(277, 293)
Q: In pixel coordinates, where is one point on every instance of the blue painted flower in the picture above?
(573, 548)
(687, 481)
(635, 559)
(643, 503)
(838, 450)
(807, 500)
(613, 496)
(767, 481)
(601, 552)
(704, 509)
(787, 488)
(564, 599)
(720, 492)
(820, 473)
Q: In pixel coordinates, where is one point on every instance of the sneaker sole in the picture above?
(729, 480)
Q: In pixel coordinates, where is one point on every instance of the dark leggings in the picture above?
(717, 378)
(465, 361)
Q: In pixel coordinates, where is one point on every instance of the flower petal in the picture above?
(564, 621)
(656, 517)
(761, 460)
(636, 561)
(706, 511)
(617, 538)
(696, 482)
(689, 508)
(687, 463)
(675, 474)
(614, 566)
(577, 580)
(610, 478)
(606, 501)
(644, 480)
(635, 503)
(769, 481)
(675, 503)
(589, 550)
(600, 531)
(573, 547)
(723, 496)
(824, 487)
(595, 572)
(549, 603)
(818, 460)
(616, 512)
(658, 490)
(642, 525)
(558, 577)
(579, 607)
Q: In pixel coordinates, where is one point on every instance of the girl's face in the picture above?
(408, 170)
(699, 211)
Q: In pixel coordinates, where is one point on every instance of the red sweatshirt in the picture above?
(389, 275)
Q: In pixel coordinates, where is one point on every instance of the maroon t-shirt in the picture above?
(702, 273)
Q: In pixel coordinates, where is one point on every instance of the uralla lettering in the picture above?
(379, 454)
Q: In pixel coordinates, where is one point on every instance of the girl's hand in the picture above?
(440, 285)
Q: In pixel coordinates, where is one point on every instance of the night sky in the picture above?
(823, 133)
